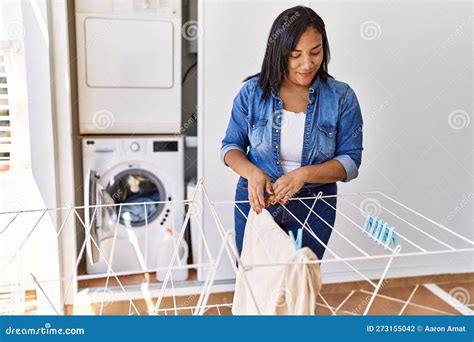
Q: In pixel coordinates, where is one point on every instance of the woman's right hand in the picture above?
(257, 182)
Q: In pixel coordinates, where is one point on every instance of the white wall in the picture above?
(40, 107)
(29, 247)
(409, 79)
(55, 147)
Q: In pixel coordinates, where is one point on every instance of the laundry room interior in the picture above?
(116, 114)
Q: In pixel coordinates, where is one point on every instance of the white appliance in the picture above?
(129, 66)
(167, 247)
(123, 170)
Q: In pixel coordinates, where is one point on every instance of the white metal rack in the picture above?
(417, 234)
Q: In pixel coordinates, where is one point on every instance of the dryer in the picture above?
(129, 66)
(120, 172)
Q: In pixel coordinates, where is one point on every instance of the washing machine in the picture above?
(133, 192)
(129, 66)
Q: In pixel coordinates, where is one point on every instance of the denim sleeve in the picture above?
(236, 137)
(349, 136)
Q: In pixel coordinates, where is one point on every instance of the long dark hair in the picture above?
(284, 35)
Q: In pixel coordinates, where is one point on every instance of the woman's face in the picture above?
(304, 61)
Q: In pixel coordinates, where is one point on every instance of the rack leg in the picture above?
(204, 297)
(230, 249)
(381, 280)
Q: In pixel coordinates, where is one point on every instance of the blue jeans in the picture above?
(287, 222)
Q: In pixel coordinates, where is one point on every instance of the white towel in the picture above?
(278, 290)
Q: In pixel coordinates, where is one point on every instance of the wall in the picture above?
(40, 107)
(30, 242)
(408, 66)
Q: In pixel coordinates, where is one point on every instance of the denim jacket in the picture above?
(333, 128)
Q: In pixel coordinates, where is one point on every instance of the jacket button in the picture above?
(253, 126)
(278, 163)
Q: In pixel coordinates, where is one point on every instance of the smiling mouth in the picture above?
(305, 73)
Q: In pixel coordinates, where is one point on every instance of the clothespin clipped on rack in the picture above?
(380, 231)
(299, 238)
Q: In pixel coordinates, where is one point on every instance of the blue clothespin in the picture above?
(380, 231)
(368, 222)
(393, 240)
(389, 237)
(381, 238)
(299, 238)
(377, 229)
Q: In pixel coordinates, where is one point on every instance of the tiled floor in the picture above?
(407, 299)
(401, 296)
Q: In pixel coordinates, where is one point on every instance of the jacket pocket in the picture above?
(327, 140)
(256, 130)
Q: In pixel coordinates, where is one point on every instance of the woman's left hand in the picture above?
(287, 185)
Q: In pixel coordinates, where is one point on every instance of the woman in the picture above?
(294, 131)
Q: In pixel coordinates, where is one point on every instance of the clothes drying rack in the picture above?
(417, 237)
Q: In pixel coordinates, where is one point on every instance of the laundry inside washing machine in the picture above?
(138, 191)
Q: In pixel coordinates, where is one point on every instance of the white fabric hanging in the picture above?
(278, 290)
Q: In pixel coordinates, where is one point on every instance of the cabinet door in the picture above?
(128, 53)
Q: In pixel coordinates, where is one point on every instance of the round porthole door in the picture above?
(133, 186)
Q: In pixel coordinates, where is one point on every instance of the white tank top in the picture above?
(291, 139)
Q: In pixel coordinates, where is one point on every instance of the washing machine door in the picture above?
(138, 190)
